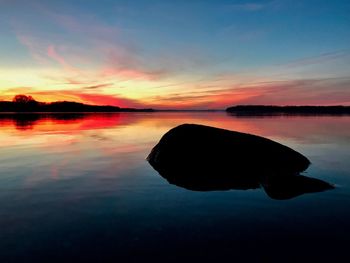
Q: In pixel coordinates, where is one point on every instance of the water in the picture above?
(78, 188)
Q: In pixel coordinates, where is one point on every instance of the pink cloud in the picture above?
(88, 98)
(101, 99)
(82, 96)
(53, 54)
(90, 51)
(118, 57)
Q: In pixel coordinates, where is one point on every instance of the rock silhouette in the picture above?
(204, 158)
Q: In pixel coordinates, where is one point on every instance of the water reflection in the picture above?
(67, 182)
(310, 129)
(27, 121)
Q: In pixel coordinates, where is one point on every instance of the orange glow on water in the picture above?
(156, 123)
(108, 139)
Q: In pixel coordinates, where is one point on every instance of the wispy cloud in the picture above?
(322, 58)
(79, 55)
(329, 91)
(88, 49)
(99, 86)
(93, 51)
(53, 54)
(104, 99)
(73, 95)
(291, 92)
(34, 47)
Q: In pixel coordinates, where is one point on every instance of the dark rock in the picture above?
(203, 146)
(205, 158)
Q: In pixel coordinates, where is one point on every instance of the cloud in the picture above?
(53, 54)
(110, 49)
(89, 56)
(86, 49)
(98, 86)
(73, 95)
(34, 47)
(298, 92)
(331, 91)
(322, 58)
(72, 81)
(103, 99)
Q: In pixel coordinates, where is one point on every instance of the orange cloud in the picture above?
(74, 95)
(101, 99)
(294, 92)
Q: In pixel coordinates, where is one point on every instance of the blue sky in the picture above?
(181, 54)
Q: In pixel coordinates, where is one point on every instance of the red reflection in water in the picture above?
(68, 145)
(301, 128)
(66, 122)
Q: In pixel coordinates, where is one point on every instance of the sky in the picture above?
(183, 54)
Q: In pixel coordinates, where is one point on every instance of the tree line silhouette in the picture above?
(24, 103)
(287, 110)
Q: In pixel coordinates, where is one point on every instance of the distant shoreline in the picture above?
(251, 110)
(4, 114)
(33, 106)
(22, 104)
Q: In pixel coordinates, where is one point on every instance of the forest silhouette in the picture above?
(24, 103)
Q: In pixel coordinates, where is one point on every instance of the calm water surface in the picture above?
(78, 188)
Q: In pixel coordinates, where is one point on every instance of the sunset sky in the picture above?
(188, 54)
